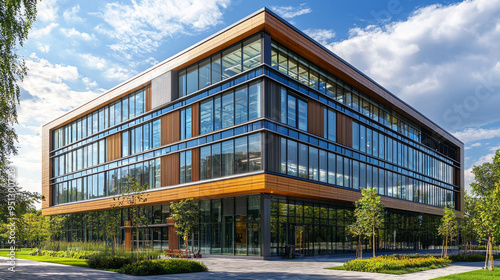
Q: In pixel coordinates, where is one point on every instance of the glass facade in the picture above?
(258, 118)
(221, 66)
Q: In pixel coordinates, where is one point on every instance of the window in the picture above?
(241, 155)
(227, 110)
(227, 158)
(216, 160)
(216, 68)
(206, 116)
(204, 73)
(254, 101)
(331, 125)
(241, 105)
(323, 166)
(313, 164)
(303, 160)
(125, 143)
(231, 62)
(101, 119)
(293, 110)
(102, 151)
(251, 52)
(291, 158)
(205, 163)
(186, 123)
(185, 167)
(192, 79)
(254, 152)
(156, 141)
(125, 109)
(302, 114)
(139, 103)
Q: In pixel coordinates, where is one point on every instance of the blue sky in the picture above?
(441, 57)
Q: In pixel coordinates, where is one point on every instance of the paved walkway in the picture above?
(222, 268)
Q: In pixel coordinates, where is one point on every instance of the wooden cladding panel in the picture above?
(148, 98)
(344, 130)
(114, 147)
(46, 167)
(170, 128)
(170, 170)
(195, 119)
(195, 164)
(316, 119)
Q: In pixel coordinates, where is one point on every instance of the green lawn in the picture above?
(474, 275)
(23, 254)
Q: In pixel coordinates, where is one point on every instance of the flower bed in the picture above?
(390, 263)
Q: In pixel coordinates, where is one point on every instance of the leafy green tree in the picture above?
(467, 231)
(186, 214)
(112, 222)
(357, 229)
(35, 229)
(486, 190)
(16, 19)
(448, 228)
(133, 199)
(369, 215)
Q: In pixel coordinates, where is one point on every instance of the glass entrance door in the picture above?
(299, 240)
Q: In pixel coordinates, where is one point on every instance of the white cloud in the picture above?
(49, 96)
(289, 12)
(475, 134)
(71, 15)
(323, 36)
(139, 28)
(468, 176)
(476, 145)
(77, 34)
(47, 10)
(118, 73)
(89, 83)
(94, 61)
(42, 47)
(38, 33)
(443, 60)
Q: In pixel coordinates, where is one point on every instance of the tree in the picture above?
(467, 230)
(35, 229)
(133, 198)
(112, 222)
(16, 19)
(369, 214)
(486, 189)
(186, 214)
(448, 228)
(357, 229)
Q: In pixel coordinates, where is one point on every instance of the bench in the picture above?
(177, 253)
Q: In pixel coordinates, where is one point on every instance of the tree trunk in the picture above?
(360, 248)
(373, 242)
(446, 246)
(492, 260)
(487, 255)
(186, 242)
(137, 240)
(113, 247)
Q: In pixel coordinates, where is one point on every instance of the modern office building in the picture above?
(272, 133)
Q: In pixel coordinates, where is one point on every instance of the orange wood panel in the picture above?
(344, 130)
(148, 98)
(195, 119)
(128, 235)
(195, 164)
(172, 169)
(113, 147)
(170, 128)
(315, 115)
(173, 237)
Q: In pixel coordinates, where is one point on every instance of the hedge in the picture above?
(158, 267)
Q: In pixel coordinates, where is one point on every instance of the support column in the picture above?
(173, 238)
(265, 226)
(128, 235)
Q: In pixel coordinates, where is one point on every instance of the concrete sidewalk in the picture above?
(223, 268)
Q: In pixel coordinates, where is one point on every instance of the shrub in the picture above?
(66, 254)
(469, 258)
(107, 262)
(395, 262)
(158, 267)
